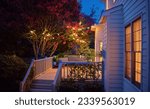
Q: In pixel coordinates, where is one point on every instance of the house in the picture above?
(122, 36)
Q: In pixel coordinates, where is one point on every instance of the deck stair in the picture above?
(41, 86)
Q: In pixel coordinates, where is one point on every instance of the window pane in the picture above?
(128, 30)
(138, 77)
(138, 57)
(128, 51)
(137, 46)
(128, 47)
(137, 35)
(137, 25)
(128, 56)
(128, 38)
(137, 67)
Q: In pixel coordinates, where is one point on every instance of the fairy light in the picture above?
(48, 34)
(73, 28)
(32, 32)
(80, 23)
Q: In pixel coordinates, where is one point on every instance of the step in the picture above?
(42, 86)
(43, 81)
(40, 90)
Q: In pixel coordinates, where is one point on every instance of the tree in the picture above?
(45, 24)
(47, 32)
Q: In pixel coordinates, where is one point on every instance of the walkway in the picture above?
(43, 83)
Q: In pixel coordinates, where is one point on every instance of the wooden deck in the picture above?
(48, 75)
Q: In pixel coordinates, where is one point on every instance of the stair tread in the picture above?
(40, 90)
(41, 86)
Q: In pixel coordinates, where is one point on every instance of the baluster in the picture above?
(64, 71)
(67, 70)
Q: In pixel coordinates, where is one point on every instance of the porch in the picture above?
(42, 77)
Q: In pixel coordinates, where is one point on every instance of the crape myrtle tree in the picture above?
(50, 25)
(61, 27)
(47, 31)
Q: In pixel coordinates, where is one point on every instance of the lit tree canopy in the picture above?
(47, 24)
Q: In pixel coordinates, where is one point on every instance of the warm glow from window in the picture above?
(101, 46)
(133, 52)
(128, 51)
(101, 49)
(137, 33)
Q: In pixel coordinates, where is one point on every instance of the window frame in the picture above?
(130, 52)
(133, 73)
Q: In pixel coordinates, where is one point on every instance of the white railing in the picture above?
(79, 71)
(36, 68)
(25, 84)
(43, 65)
(57, 78)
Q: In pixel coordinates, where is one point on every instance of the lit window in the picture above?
(128, 52)
(137, 42)
(101, 45)
(133, 53)
(101, 49)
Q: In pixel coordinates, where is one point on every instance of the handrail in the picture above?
(40, 66)
(24, 86)
(57, 78)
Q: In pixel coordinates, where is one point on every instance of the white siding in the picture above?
(105, 60)
(132, 10)
(114, 51)
(148, 17)
(120, 14)
(130, 87)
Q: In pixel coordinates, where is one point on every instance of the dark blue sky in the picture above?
(88, 4)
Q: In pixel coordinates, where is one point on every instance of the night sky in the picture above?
(88, 4)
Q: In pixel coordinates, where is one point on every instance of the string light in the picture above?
(48, 34)
(32, 32)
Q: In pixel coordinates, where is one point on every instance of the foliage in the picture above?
(12, 25)
(47, 32)
(12, 71)
(69, 85)
(86, 51)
